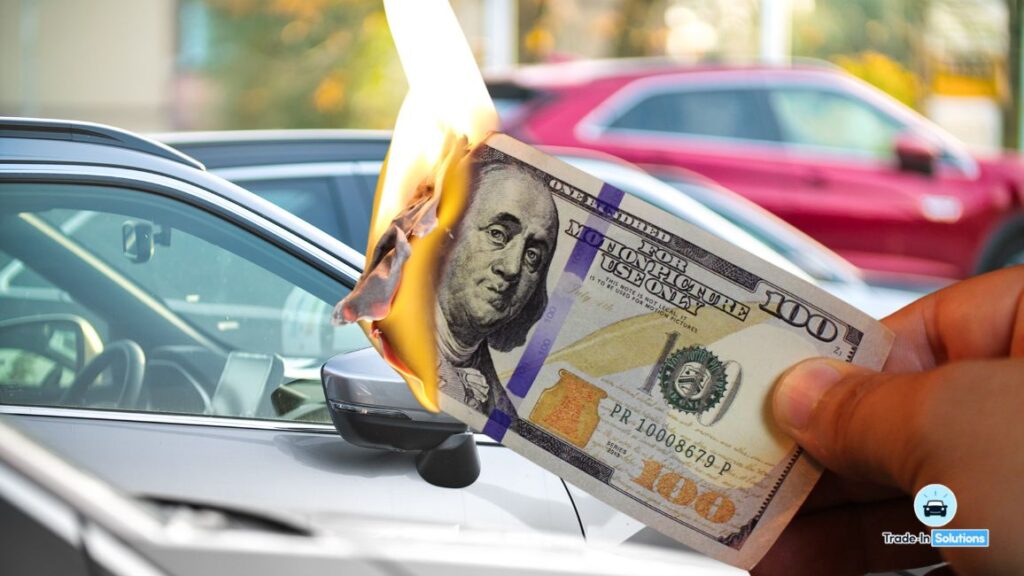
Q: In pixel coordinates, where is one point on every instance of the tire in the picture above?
(1006, 248)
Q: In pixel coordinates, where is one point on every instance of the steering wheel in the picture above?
(127, 353)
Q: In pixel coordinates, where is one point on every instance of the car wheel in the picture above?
(1014, 258)
(1006, 248)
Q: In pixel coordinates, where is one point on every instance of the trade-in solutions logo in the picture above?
(935, 506)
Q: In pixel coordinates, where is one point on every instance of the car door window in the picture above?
(226, 323)
(339, 205)
(733, 113)
(831, 121)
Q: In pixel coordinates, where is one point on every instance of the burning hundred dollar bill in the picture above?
(608, 341)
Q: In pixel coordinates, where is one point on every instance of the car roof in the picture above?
(87, 133)
(236, 148)
(575, 73)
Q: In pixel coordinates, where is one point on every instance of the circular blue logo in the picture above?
(935, 505)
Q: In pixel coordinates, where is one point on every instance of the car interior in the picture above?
(118, 299)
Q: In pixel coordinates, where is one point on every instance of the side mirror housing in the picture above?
(915, 154)
(371, 406)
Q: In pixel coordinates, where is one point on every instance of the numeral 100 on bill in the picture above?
(682, 491)
(797, 315)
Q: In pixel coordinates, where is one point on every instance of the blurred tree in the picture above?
(885, 73)
(878, 40)
(536, 41)
(304, 64)
(1012, 104)
(634, 29)
(835, 27)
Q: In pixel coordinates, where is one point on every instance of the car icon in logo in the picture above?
(935, 508)
(935, 505)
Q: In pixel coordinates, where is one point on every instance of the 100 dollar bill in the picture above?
(630, 352)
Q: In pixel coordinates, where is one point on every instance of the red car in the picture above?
(849, 165)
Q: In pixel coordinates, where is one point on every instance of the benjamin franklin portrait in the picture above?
(494, 282)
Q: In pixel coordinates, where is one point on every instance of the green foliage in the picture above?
(304, 64)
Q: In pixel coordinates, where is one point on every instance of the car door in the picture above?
(850, 193)
(228, 314)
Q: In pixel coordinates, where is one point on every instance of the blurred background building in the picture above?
(210, 64)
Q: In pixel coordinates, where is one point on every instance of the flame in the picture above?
(445, 113)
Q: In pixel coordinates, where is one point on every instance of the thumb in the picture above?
(855, 421)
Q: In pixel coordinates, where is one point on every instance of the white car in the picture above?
(164, 330)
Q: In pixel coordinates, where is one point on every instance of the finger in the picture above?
(982, 317)
(847, 540)
(880, 427)
(832, 491)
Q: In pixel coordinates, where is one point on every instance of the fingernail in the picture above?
(799, 391)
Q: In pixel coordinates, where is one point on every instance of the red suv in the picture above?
(849, 165)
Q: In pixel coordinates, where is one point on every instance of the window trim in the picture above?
(187, 420)
(310, 170)
(166, 418)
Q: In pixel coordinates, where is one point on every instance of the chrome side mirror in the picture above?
(371, 406)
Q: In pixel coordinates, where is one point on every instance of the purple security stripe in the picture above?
(498, 423)
(539, 346)
(573, 276)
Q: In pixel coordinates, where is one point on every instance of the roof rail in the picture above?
(75, 131)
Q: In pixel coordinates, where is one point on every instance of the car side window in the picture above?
(339, 205)
(311, 199)
(827, 120)
(198, 315)
(356, 194)
(731, 113)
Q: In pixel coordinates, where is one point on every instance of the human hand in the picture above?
(947, 408)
